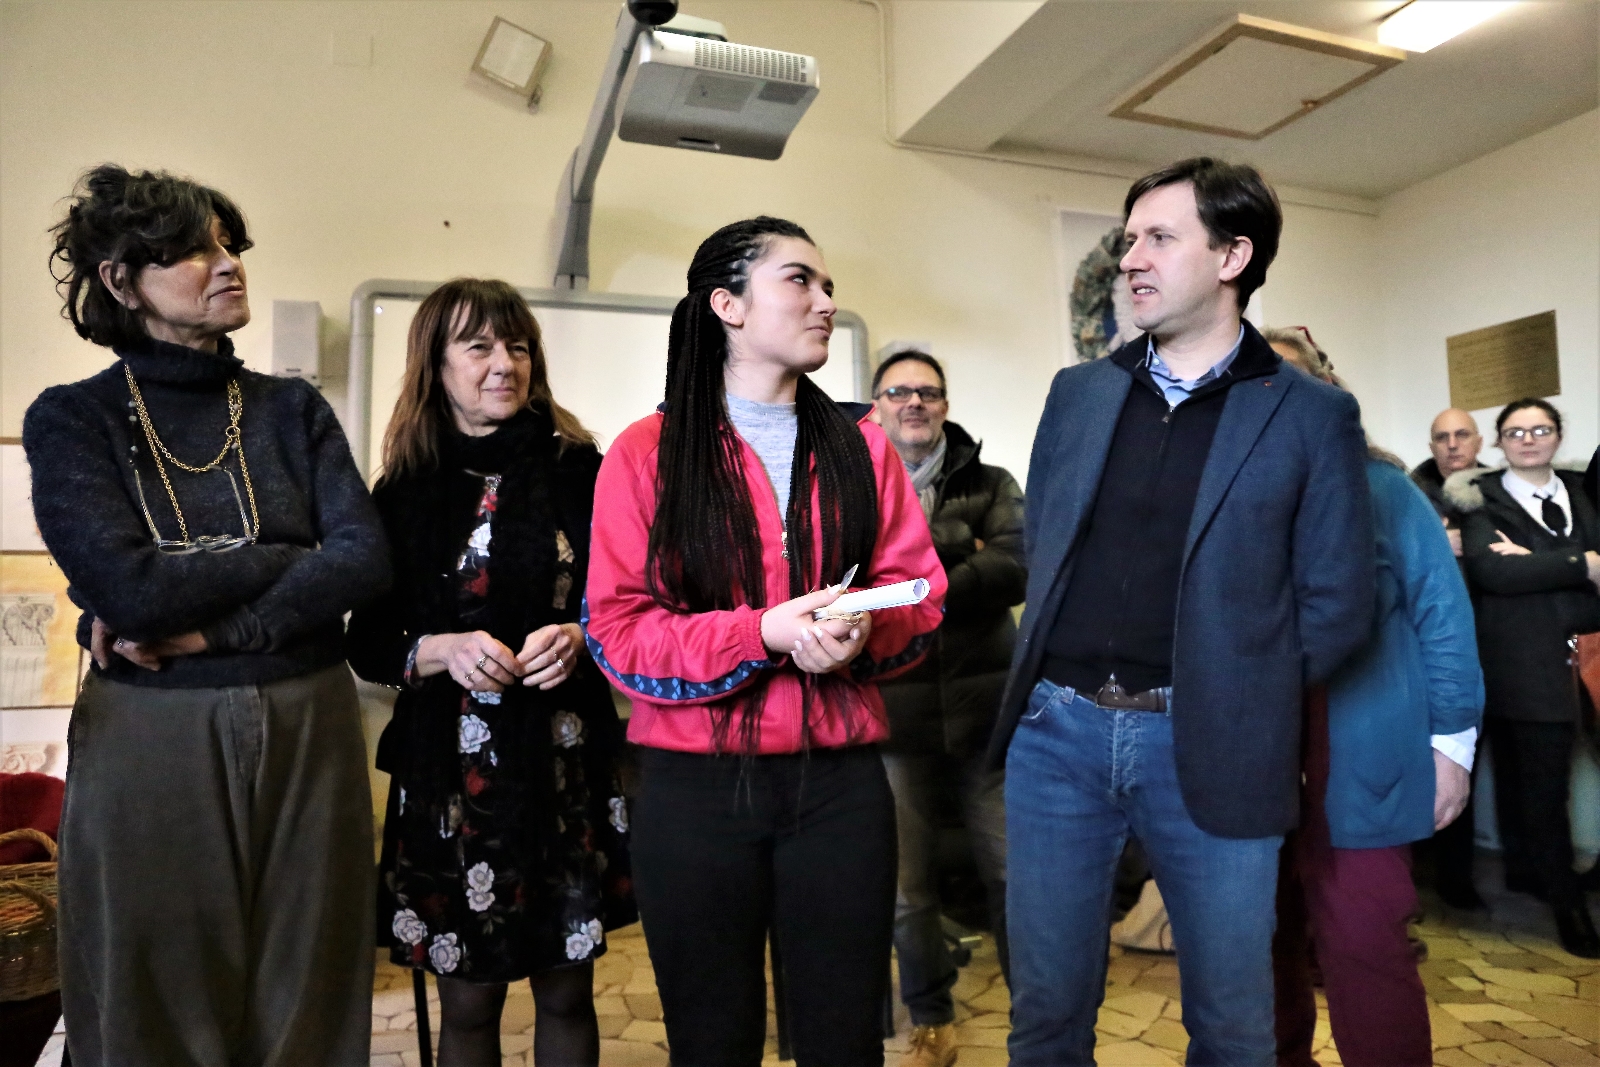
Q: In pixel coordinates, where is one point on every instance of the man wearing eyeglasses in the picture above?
(941, 713)
(1455, 443)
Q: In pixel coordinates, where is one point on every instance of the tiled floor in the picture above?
(1501, 992)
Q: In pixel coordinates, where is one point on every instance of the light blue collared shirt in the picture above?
(1175, 389)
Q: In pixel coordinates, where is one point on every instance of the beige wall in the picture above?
(349, 173)
(1511, 234)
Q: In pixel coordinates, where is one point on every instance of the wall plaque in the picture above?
(1499, 364)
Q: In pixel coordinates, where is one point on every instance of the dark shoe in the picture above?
(1529, 884)
(1577, 931)
(1464, 897)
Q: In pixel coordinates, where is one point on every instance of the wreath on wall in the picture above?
(1094, 313)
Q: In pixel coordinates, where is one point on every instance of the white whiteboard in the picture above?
(607, 364)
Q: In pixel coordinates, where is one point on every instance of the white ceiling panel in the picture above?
(1051, 85)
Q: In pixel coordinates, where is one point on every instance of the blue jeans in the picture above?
(1079, 779)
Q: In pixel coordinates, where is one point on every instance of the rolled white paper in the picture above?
(886, 596)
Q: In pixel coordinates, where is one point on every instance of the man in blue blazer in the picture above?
(1200, 549)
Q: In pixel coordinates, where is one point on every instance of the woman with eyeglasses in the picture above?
(1531, 541)
(504, 848)
(216, 839)
(721, 524)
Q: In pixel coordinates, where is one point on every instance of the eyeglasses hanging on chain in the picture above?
(232, 441)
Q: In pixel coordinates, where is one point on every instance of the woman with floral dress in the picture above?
(505, 842)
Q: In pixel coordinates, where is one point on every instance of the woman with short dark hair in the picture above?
(216, 839)
(504, 847)
(1531, 541)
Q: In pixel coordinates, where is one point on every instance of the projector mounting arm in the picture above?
(575, 196)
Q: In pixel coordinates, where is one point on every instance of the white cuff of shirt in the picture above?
(1458, 748)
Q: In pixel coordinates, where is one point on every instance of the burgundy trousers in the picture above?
(1353, 905)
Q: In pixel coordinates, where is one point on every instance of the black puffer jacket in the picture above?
(1527, 605)
(949, 701)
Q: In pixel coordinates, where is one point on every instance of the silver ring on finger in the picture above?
(560, 664)
(478, 666)
(471, 673)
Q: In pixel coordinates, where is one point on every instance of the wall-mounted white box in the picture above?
(297, 339)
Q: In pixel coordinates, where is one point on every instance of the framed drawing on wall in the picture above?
(40, 661)
(41, 664)
(17, 531)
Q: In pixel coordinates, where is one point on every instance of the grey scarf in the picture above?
(925, 474)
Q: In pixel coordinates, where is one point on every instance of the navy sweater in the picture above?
(269, 610)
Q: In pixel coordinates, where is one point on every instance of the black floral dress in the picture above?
(505, 854)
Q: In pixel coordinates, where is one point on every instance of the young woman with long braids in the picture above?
(721, 523)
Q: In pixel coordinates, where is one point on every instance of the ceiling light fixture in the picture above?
(1424, 24)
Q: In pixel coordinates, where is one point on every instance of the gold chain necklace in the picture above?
(231, 441)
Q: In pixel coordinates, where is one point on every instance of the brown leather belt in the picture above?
(1115, 698)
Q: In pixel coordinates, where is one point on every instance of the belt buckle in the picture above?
(1114, 697)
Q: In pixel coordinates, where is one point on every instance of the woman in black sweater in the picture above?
(1531, 542)
(216, 834)
(504, 852)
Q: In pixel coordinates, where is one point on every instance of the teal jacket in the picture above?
(1417, 676)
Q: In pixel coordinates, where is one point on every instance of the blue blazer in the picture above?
(1276, 588)
(1416, 675)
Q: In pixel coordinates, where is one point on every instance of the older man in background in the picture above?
(942, 712)
(1455, 443)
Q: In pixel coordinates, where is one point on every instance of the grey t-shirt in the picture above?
(770, 429)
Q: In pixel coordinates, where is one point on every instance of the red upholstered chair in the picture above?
(32, 801)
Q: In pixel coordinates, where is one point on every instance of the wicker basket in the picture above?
(28, 923)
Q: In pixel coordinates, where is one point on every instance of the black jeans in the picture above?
(725, 849)
(1532, 776)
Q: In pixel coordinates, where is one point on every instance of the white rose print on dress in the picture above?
(480, 885)
(596, 932)
(566, 729)
(408, 928)
(479, 541)
(444, 953)
(579, 945)
(473, 733)
(619, 814)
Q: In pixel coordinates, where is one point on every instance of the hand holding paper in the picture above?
(887, 596)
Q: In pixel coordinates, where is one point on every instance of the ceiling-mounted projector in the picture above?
(686, 91)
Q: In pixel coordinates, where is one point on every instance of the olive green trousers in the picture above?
(217, 876)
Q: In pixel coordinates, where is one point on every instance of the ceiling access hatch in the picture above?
(1252, 76)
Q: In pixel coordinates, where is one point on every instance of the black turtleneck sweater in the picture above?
(269, 610)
